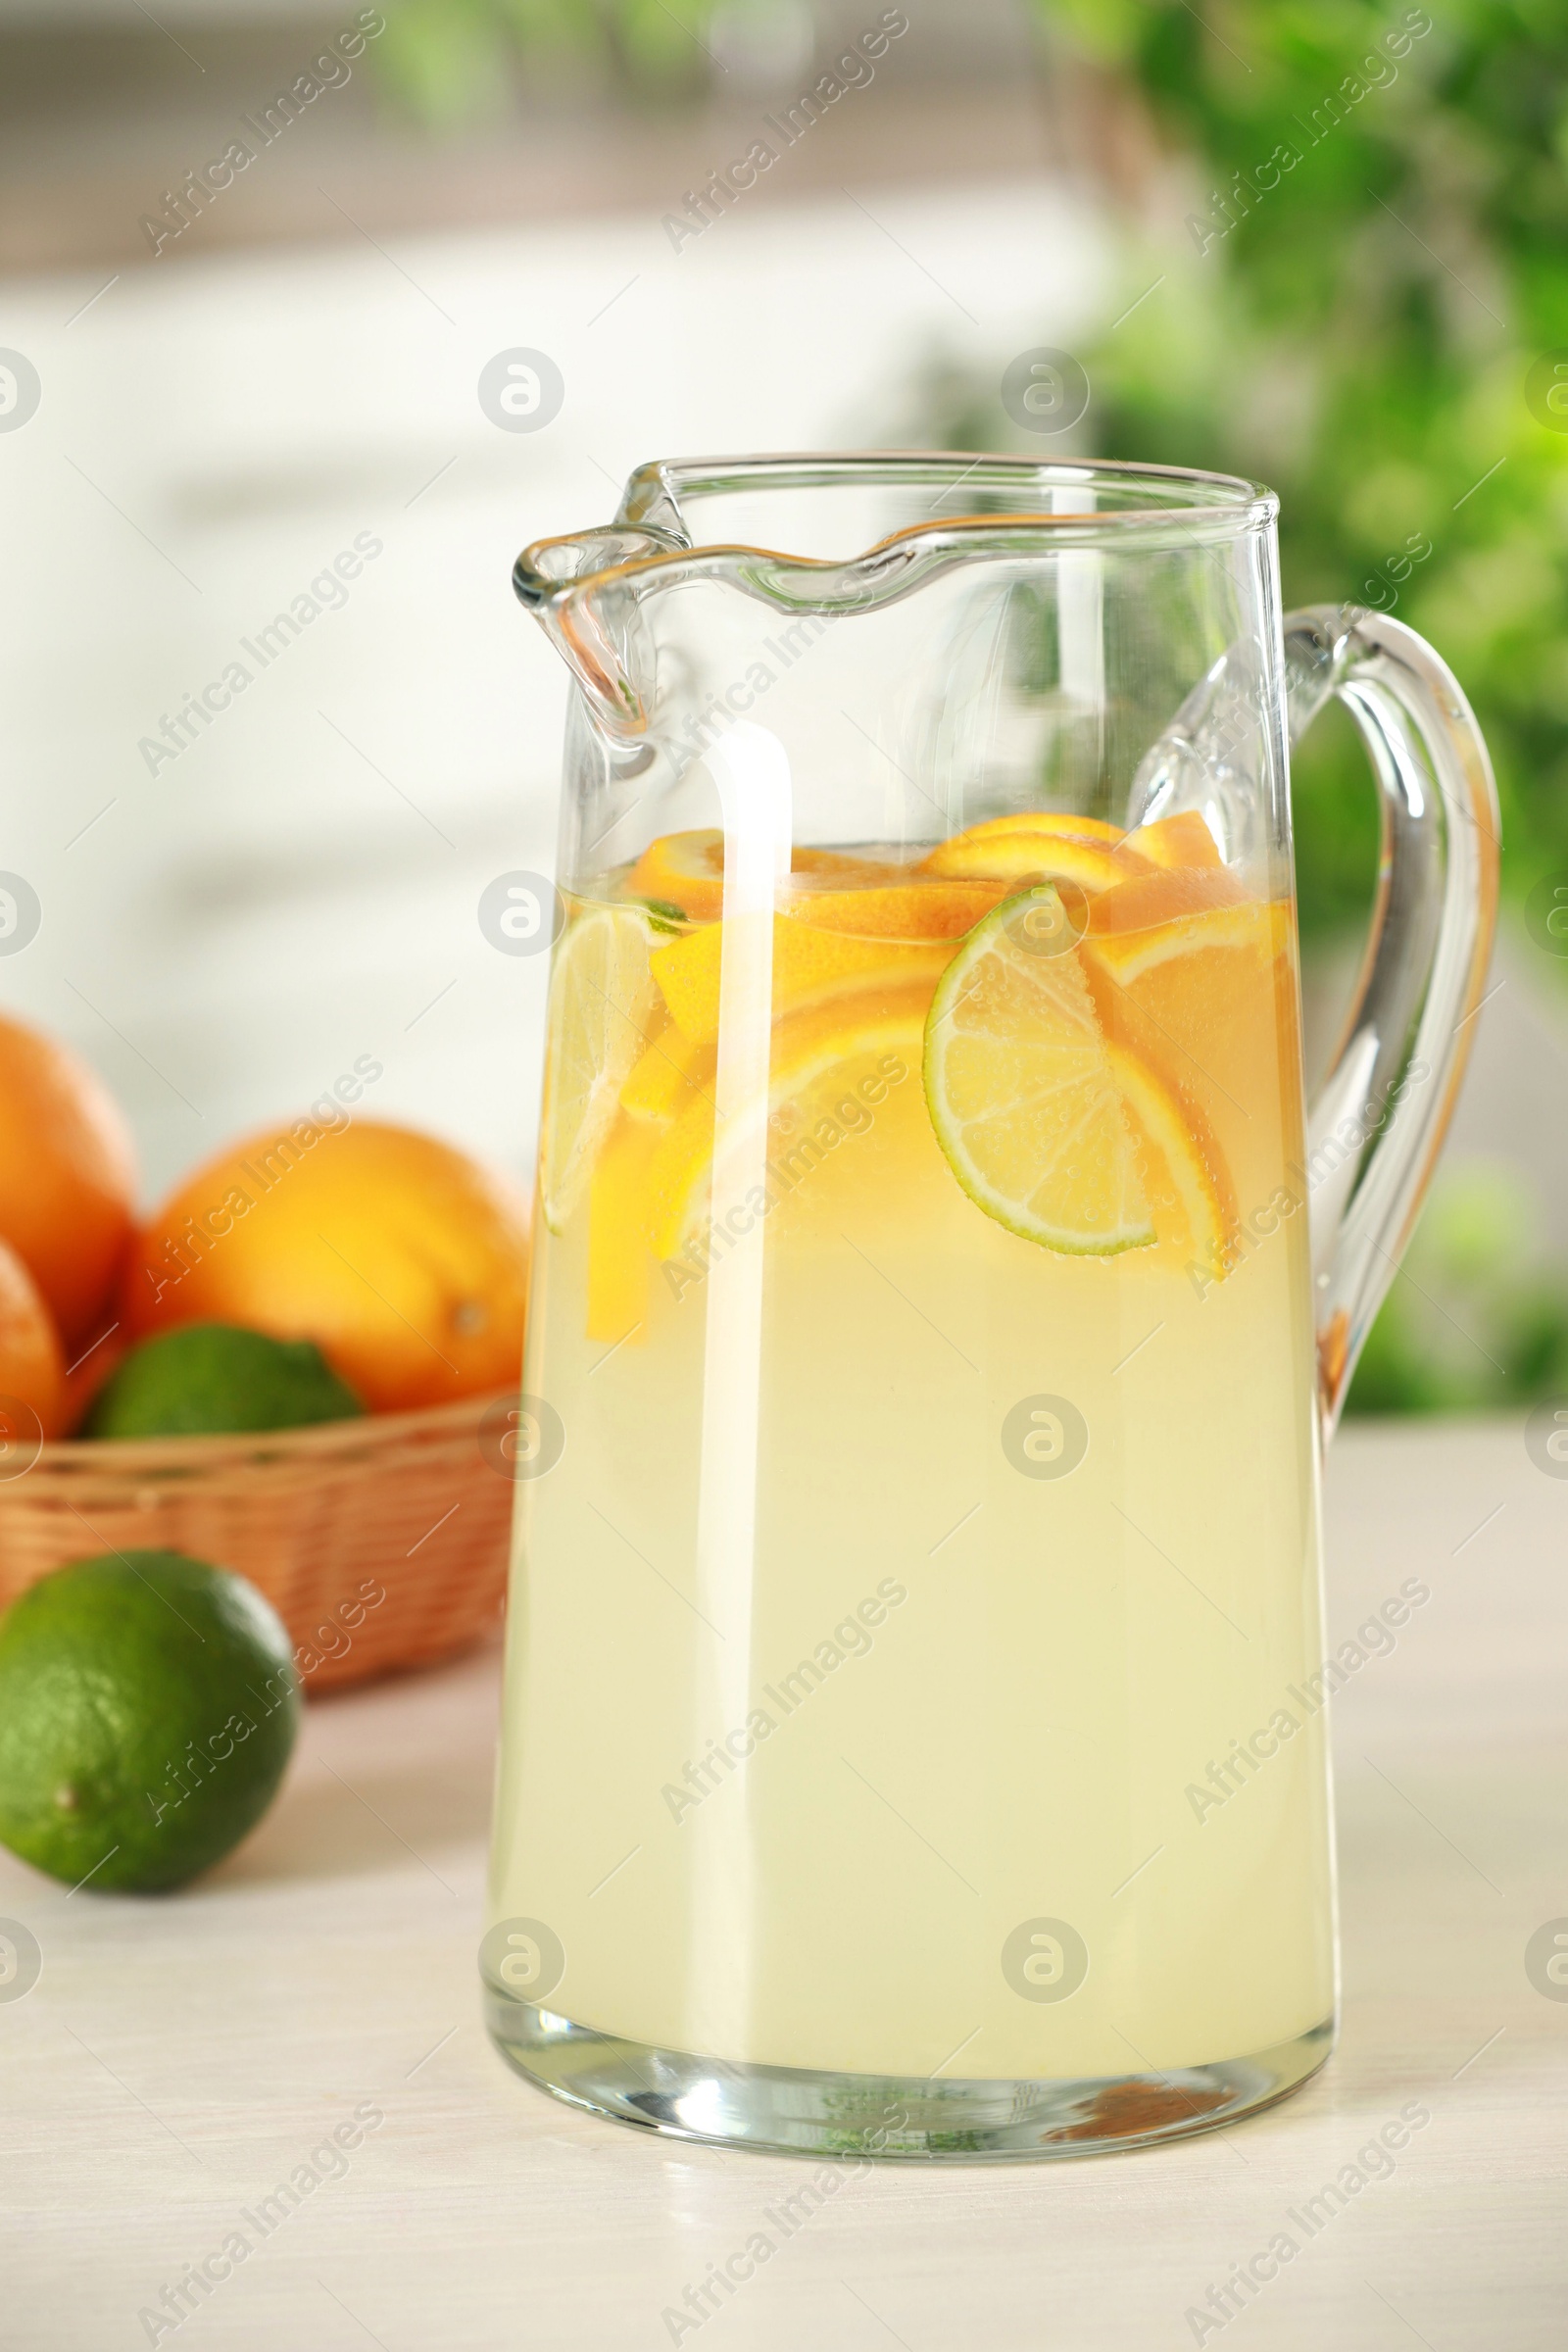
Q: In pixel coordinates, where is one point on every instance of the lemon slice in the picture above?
(809, 962)
(665, 1079)
(875, 1035)
(618, 1251)
(1022, 1096)
(601, 1006)
(1023, 852)
(917, 910)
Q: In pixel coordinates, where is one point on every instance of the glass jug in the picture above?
(914, 1736)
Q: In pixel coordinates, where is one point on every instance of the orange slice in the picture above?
(1014, 854)
(1191, 1198)
(617, 1249)
(1145, 923)
(684, 870)
(815, 1052)
(1183, 840)
(687, 870)
(907, 910)
(809, 961)
(671, 1071)
(1055, 822)
(1201, 989)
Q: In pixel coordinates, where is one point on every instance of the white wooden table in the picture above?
(178, 2058)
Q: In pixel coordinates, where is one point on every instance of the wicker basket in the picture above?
(319, 1519)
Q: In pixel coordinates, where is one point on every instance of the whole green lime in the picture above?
(148, 1707)
(207, 1378)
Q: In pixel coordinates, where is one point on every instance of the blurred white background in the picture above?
(300, 885)
(216, 424)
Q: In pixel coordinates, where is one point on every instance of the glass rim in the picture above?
(648, 535)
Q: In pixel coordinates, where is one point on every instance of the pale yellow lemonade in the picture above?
(931, 1564)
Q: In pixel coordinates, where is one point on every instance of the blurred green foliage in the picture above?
(450, 61)
(1359, 333)
(1469, 1326)
(1373, 259)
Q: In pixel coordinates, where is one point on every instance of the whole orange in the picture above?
(32, 1369)
(67, 1175)
(402, 1258)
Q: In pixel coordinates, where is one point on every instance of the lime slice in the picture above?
(601, 1006)
(1021, 1092)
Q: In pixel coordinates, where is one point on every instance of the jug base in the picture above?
(798, 2111)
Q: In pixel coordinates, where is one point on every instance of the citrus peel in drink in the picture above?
(1171, 841)
(811, 958)
(602, 1011)
(1040, 845)
(617, 1246)
(686, 871)
(1149, 921)
(670, 1071)
(815, 1051)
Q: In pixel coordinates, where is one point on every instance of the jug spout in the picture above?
(595, 633)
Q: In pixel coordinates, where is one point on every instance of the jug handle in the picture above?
(1378, 1119)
